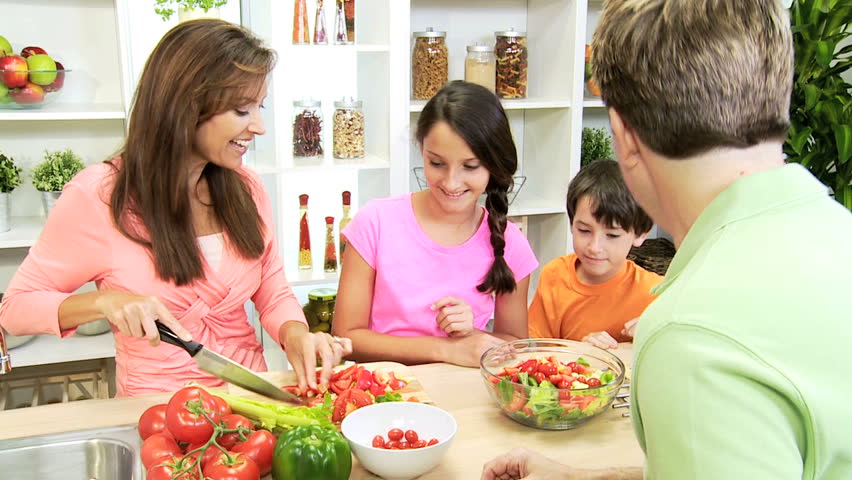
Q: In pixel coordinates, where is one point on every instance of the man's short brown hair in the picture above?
(611, 201)
(689, 76)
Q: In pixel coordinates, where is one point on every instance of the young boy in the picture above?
(595, 293)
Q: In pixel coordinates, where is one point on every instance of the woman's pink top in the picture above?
(80, 243)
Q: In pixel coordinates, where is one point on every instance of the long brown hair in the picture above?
(199, 69)
(476, 115)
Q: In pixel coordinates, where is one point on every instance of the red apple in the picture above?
(27, 51)
(29, 94)
(59, 82)
(14, 72)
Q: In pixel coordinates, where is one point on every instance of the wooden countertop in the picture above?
(483, 431)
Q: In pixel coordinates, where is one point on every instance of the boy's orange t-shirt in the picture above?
(565, 307)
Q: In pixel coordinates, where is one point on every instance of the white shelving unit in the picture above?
(46, 349)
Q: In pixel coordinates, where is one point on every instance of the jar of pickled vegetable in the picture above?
(429, 64)
(511, 53)
(319, 310)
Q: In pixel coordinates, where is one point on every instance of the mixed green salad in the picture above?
(547, 393)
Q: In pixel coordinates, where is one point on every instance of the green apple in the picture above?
(5, 47)
(4, 94)
(47, 66)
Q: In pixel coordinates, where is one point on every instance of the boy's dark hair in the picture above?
(612, 203)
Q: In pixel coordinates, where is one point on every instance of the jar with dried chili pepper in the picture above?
(307, 128)
(305, 260)
(511, 53)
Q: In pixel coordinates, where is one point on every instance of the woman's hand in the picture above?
(134, 315)
(455, 316)
(303, 347)
(601, 339)
(630, 328)
(521, 463)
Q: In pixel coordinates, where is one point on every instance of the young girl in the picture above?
(428, 270)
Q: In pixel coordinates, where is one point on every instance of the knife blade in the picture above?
(225, 368)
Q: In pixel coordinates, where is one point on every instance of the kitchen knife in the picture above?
(225, 368)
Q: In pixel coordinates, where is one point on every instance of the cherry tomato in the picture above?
(378, 389)
(574, 366)
(157, 449)
(237, 466)
(547, 369)
(403, 445)
(153, 420)
(378, 441)
(419, 444)
(539, 377)
(411, 436)
(234, 421)
(431, 442)
(258, 447)
(396, 383)
(187, 425)
(392, 445)
(395, 434)
(593, 382)
(221, 406)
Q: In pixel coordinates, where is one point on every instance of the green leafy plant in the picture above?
(596, 145)
(821, 109)
(166, 8)
(10, 174)
(57, 169)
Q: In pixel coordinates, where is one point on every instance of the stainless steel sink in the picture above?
(101, 454)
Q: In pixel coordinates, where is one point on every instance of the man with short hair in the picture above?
(739, 362)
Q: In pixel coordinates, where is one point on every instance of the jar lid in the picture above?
(480, 48)
(307, 102)
(348, 102)
(511, 32)
(322, 294)
(430, 33)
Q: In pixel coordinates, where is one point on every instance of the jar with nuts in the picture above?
(348, 129)
(511, 53)
(429, 63)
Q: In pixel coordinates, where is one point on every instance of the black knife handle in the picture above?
(168, 336)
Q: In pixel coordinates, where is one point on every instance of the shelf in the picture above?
(331, 46)
(298, 278)
(532, 103)
(46, 349)
(67, 111)
(367, 163)
(527, 204)
(593, 103)
(24, 232)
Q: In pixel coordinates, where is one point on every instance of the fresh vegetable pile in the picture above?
(399, 440)
(547, 393)
(201, 435)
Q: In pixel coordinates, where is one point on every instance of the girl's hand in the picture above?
(521, 463)
(601, 339)
(303, 347)
(455, 316)
(630, 328)
(134, 315)
(466, 351)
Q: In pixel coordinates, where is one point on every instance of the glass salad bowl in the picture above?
(549, 383)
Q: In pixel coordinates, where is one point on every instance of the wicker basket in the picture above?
(654, 255)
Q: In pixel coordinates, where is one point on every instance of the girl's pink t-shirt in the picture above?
(413, 271)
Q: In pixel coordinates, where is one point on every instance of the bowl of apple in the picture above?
(30, 80)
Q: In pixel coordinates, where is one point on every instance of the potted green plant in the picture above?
(821, 108)
(10, 178)
(188, 9)
(596, 145)
(49, 176)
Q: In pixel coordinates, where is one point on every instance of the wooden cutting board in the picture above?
(413, 389)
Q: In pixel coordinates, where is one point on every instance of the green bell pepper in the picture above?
(311, 453)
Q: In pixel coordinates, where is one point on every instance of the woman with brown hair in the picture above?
(174, 228)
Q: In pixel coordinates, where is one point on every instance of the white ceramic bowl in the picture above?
(360, 426)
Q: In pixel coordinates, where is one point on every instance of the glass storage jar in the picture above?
(307, 128)
(348, 129)
(511, 53)
(480, 66)
(319, 311)
(429, 64)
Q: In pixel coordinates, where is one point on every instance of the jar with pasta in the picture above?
(348, 129)
(480, 66)
(511, 53)
(429, 63)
